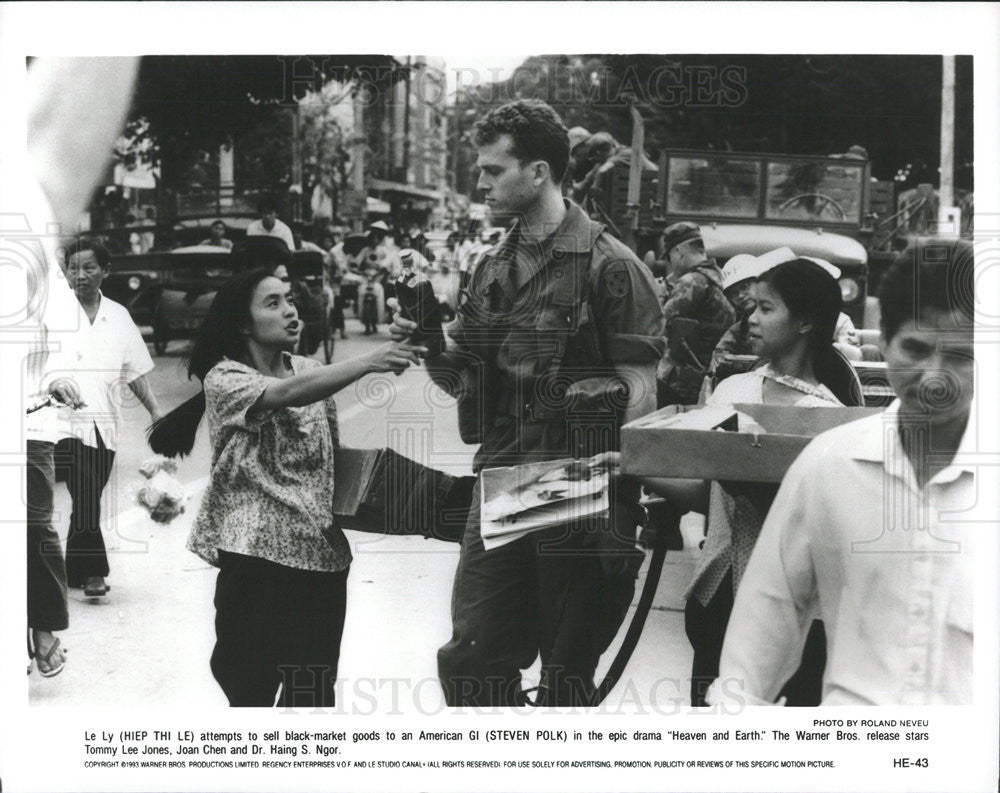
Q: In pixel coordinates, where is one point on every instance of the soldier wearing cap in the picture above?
(600, 154)
(559, 317)
(577, 167)
(697, 296)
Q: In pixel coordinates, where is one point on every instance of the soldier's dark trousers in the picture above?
(539, 594)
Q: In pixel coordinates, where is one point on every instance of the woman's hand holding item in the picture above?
(396, 356)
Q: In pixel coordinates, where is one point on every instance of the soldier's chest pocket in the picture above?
(573, 328)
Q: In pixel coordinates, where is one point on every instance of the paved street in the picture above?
(149, 640)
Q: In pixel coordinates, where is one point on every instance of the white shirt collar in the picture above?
(871, 446)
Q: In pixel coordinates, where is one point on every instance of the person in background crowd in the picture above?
(562, 593)
(894, 587)
(107, 351)
(335, 271)
(268, 224)
(382, 259)
(576, 170)
(301, 243)
(218, 236)
(378, 232)
(697, 295)
(468, 240)
(739, 275)
(418, 242)
(449, 257)
(327, 240)
(370, 303)
(266, 519)
(601, 153)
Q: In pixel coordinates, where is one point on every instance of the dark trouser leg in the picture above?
(706, 629)
(313, 604)
(581, 606)
(494, 612)
(805, 687)
(277, 626)
(46, 568)
(244, 660)
(337, 313)
(86, 472)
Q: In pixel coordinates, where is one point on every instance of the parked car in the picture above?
(194, 274)
(136, 281)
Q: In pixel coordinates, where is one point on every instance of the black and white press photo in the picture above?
(605, 414)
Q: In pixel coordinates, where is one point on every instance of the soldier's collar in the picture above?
(577, 233)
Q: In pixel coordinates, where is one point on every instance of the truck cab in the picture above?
(753, 203)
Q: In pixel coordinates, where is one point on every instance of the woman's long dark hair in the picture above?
(220, 336)
(813, 295)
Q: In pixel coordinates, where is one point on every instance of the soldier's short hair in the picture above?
(536, 130)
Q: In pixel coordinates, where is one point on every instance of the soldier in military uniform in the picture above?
(554, 348)
(696, 295)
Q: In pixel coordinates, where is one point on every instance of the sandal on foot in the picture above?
(47, 659)
(95, 587)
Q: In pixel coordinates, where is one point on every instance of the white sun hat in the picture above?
(739, 268)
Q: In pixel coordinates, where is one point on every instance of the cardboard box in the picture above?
(725, 454)
(382, 492)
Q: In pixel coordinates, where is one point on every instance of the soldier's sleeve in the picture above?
(627, 313)
(685, 299)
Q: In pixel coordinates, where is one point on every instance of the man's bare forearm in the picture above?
(140, 387)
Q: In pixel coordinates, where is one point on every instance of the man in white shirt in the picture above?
(867, 531)
(268, 225)
(105, 353)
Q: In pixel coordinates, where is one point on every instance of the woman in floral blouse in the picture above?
(266, 520)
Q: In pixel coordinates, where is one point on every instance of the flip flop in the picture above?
(54, 670)
(46, 659)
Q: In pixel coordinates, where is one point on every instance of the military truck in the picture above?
(751, 203)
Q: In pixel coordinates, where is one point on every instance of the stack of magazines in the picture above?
(522, 499)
